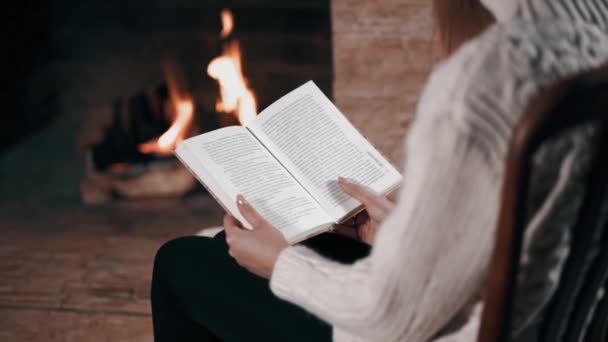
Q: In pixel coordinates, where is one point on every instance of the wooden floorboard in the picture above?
(59, 326)
(76, 273)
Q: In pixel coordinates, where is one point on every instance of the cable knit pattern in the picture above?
(431, 254)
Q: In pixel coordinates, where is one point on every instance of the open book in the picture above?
(286, 163)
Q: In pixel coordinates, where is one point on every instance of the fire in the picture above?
(164, 145)
(227, 23)
(235, 95)
(182, 108)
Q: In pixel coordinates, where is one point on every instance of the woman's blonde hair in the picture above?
(457, 21)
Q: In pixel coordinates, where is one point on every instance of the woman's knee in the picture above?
(175, 252)
(182, 267)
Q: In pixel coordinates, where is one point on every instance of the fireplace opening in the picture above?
(238, 57)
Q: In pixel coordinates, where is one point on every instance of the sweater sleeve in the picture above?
(430, 254)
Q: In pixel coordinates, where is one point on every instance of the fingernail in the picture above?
(346, 181)
(342, 180)
(240, 200)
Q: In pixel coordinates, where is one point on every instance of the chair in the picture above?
(575, 312)
(598, 330)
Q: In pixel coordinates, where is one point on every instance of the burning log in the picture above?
(165, 178)
(134, 159)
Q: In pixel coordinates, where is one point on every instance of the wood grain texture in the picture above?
(65, 326)
(75, 273)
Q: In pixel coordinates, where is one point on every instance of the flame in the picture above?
(164, 145)
(227, 23)
(181, 109)
(235, 95)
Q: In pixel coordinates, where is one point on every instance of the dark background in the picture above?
(26, 37)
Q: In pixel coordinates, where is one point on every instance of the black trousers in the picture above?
(199, 293)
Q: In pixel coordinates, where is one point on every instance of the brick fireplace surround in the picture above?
(382, 54)
(75, 273)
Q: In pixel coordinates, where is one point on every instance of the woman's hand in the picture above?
(256, 250)
(365, 225)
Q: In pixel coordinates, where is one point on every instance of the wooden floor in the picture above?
(75, 273)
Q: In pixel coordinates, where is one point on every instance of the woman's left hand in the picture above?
(256, 250)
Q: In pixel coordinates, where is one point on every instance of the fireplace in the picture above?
(226, 62)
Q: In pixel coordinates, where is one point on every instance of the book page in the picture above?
(317, 144)
(236, 163)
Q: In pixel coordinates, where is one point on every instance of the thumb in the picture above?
(366, 197)
(231, 225)
(250, 214)
(377, 206)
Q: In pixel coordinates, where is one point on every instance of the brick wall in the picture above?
(382, 55)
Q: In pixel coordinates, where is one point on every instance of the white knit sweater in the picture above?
(431, 254)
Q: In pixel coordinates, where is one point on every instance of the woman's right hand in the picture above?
(364, 226)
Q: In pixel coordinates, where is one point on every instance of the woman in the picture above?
(431, 250)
